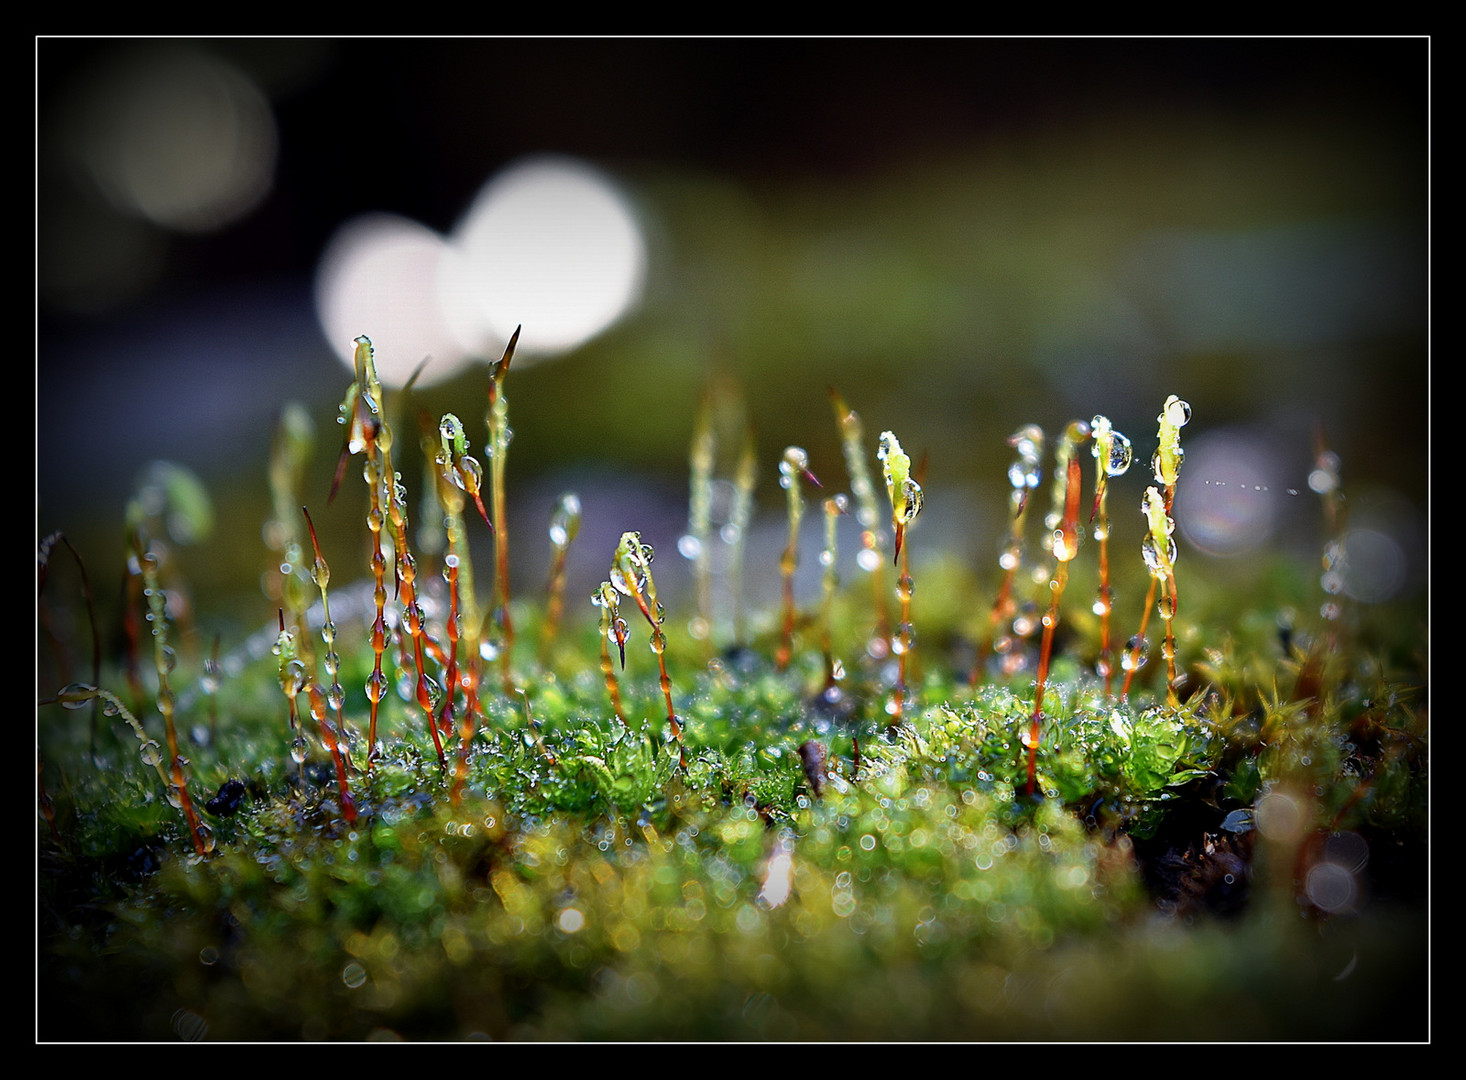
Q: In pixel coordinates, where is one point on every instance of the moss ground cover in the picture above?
(411, 821)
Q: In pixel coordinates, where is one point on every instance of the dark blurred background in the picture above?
(963, 236)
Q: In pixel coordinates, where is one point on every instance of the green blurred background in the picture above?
(962, 235)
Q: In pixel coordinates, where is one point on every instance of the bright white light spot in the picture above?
(778, 878)
(571, 920)
(549, 244)
(379, 276)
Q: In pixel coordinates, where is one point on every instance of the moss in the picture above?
(765, 861)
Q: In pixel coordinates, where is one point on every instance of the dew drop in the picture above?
(76, 695)
(1137, 650)
(151, 753)
(1177, 413)
(1151, 552)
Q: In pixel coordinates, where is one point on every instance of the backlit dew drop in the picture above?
(1065, 545)
(1023, 473)
(1137, 651)
(299, 750)
(565, 521)
(1324, 478)
(151, 753)
(795, 462)
(1151, 551)
(1120, 454)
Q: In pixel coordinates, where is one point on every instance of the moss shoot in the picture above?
(411, 823)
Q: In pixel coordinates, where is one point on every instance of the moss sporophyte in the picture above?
(547, 847)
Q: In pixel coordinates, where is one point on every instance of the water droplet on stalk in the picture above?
(1137, 651)
(76, 695)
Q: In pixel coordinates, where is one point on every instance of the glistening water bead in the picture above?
(1137, 651)
(1113, 446)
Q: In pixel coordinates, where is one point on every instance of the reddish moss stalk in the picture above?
(872, 558)
(1065, 547)
(1112, 456)
(794, 465)
(367, 432)
(564, 524)
(332, 743)
(1158, 547)
(906, 502)
(413, 614)
(321, 574)
(499, 435)
(43, 564)
(164, 660)
(466, 718)
(1024, 476)
(631, 574)
(613, 628)
(835, 508)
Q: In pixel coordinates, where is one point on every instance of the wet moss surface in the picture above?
(1181, 875)
(829, 831)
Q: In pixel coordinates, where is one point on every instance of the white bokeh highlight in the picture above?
(379, 276)
(550, 244)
